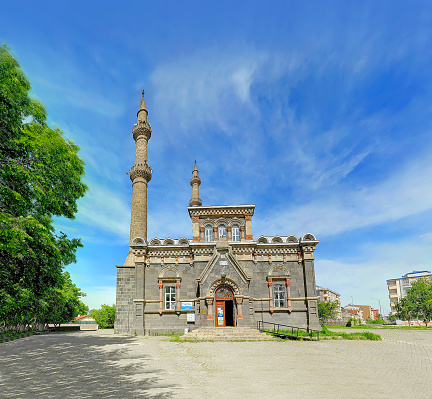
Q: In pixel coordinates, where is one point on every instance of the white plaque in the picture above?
(191, 317)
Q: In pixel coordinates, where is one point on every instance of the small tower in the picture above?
(195, 182)
(140, 174)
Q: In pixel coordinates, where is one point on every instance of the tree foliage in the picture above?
(64, 304)
(417, 303)
(327, 310)
(105, 316)
(40, 177)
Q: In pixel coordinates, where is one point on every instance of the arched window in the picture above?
(235, 233)
(222, 231)
(208, 233)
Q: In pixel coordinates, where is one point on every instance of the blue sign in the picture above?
(187, 306)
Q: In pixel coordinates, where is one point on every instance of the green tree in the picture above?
(63, 305)
(405, 310)
(327, 310)
(105, 316)
(419, 297)
(40, 177)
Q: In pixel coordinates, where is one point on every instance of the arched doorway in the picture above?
(224, 306)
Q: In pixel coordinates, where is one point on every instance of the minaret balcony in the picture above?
(195, 180)
(141, 170)
(195, 202)
(142, 128)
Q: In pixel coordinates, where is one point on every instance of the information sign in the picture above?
(186, 306)
(191, 317)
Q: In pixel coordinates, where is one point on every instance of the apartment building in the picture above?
(398, 287)
(327, 295)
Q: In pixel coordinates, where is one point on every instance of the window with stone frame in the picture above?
(235, 231)
(222, 231)
(279, 295)
(208, 233)
(170, 298)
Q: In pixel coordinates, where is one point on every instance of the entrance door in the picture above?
(224, 301)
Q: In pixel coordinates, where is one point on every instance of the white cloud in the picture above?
(105, 210)
(405, 193)
(364, 277)
(202, 87)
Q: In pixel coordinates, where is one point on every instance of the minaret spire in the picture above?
(142, 112)
(140, 174)
(195, 182)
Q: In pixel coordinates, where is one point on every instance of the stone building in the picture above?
(220, 277)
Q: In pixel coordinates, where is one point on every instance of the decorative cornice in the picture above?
(141, 170)
(222, 210)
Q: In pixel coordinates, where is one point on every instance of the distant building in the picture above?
(352, 312)
(375, 313)
(327, 295)
(366, 311)
(84, 322)
(398, 287)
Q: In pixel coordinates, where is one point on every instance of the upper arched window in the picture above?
(235, 231)
(208, 233)
(222, 231)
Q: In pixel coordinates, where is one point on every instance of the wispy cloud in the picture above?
(405, 193)
(106, 211)
(364, 277)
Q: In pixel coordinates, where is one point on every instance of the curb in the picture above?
(3, 341)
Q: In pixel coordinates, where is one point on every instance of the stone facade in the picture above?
(220, 277)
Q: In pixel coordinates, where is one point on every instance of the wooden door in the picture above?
(220, 314)
(222, 294)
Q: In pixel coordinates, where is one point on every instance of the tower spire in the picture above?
(142, 112)
(140, 174)
(195, 182)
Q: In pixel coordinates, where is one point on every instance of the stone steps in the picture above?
(226, 334)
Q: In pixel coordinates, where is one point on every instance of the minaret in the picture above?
(195, 182)
(140, 174)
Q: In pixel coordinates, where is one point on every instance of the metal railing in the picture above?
(276, 330)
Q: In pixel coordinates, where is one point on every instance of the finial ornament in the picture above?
(143, 93)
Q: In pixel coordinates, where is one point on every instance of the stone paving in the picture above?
(100, 364)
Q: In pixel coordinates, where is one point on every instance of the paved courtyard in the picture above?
(100, 364)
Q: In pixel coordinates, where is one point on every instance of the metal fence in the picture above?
(288, 332)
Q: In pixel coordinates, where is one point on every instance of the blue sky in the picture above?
(319, 113)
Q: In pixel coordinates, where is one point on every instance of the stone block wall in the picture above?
(252, 289)
(124, 300)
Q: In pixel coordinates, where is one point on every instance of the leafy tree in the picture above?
(405, 310)
(63, 305)
(378, 320)
(327, 310)
(391, 317)
(419, 298)
(105, 316)
(40, 177)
